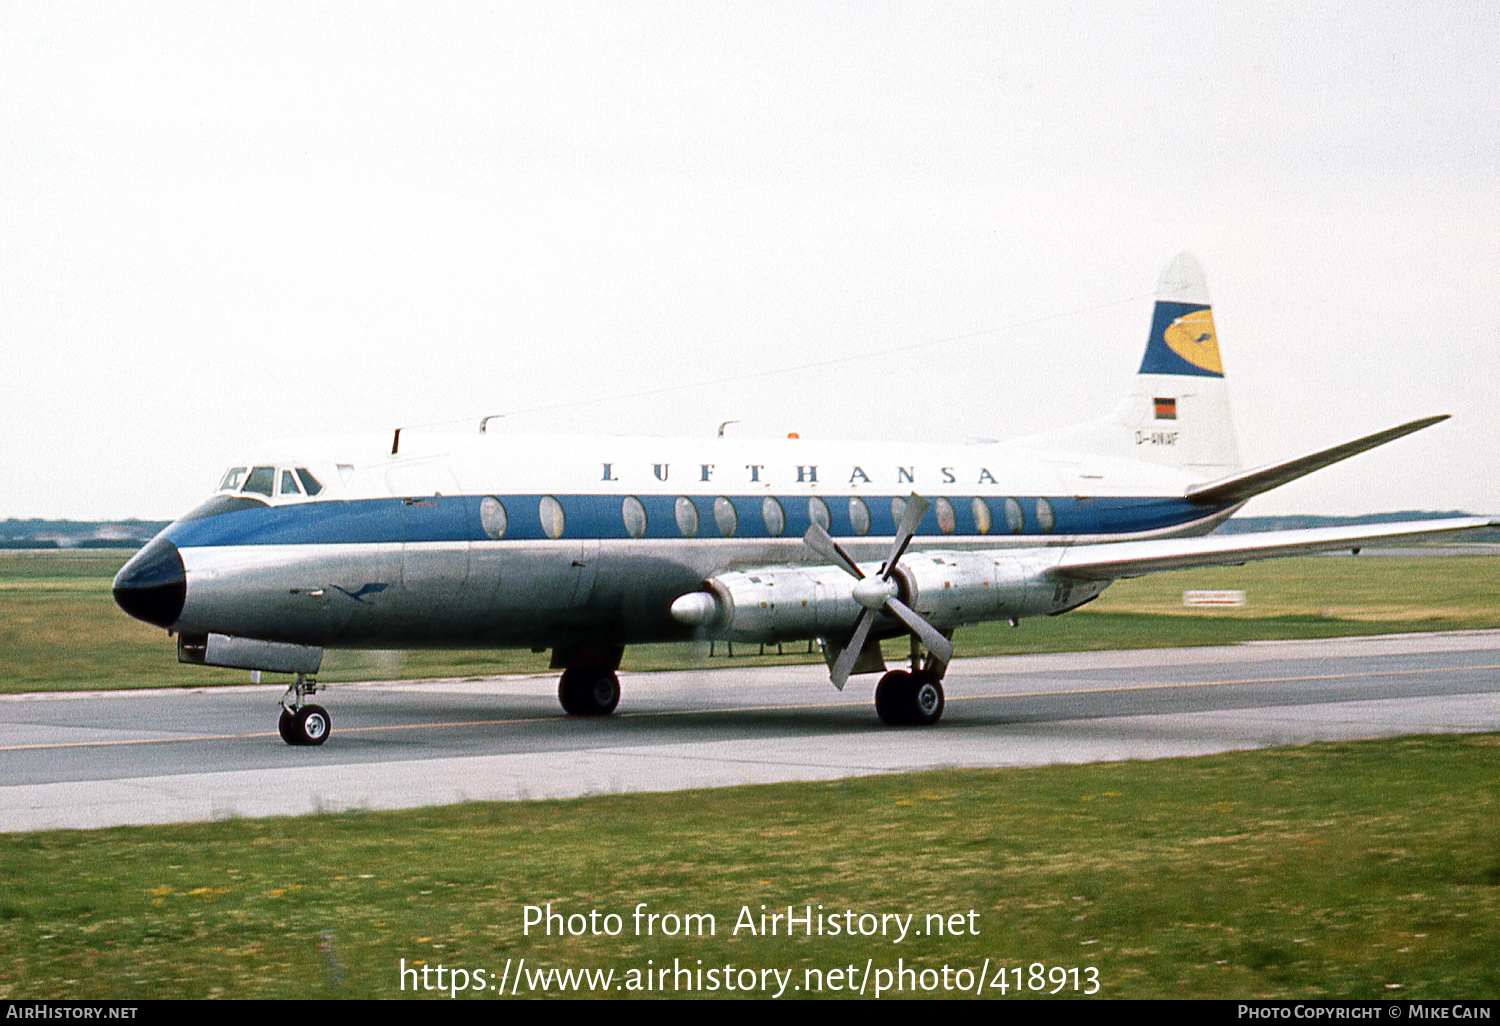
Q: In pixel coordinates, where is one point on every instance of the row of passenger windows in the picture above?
(494, 519)
(262, 481)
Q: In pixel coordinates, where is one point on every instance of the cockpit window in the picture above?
(289, 483)
(310, 484)
(232, 479)
(260, 481)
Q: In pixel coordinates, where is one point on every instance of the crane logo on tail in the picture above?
(1183, 341)
(1192, 337)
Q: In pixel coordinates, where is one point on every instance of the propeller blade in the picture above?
(820, 542)
(935, 642)
(916, 509)
(844, 665)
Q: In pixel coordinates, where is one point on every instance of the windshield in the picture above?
(260, 481)
(285, 483)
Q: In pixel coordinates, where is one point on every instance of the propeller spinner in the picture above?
(878, 594)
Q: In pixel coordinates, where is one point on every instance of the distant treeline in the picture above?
(1243, 525)
(132, 534)
(77, 534)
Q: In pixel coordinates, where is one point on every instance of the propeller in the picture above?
(878, 594)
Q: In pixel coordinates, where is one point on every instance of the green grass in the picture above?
(1326, 870)
(60, 629)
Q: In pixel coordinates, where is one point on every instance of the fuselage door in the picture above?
(434, 536)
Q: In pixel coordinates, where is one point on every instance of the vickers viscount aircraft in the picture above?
(586, 545)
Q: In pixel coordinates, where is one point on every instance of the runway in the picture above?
(94, 759)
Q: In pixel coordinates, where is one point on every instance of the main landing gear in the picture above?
(588, 691)
(912, 698)
(303, 724)
(589, 684)
(906, 699)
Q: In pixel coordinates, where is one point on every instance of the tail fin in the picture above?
(1177, 411)
(1182, 340)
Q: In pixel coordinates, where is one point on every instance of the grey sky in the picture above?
(221, 224)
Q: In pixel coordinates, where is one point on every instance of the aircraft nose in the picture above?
(153, 585)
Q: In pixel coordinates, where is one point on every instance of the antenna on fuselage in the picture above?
(725, 425)
(484, 421)
(395, 441)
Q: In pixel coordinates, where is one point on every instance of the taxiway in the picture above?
(94, 759)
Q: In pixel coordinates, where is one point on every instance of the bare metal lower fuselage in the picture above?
(555, 593)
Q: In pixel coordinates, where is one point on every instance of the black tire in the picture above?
(909, 700)
(284, 727)
(311, 725)
(893, 698)
(588, 691)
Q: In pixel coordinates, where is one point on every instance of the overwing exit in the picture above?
(584, 545)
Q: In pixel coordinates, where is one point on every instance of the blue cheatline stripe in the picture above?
(456, 518)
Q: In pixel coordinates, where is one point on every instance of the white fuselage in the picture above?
(496, 540)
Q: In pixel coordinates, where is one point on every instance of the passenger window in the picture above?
(1044, 518)
(817, 512)
(289, 483)
(687, 517)
(947, 520)
(634, 515)
(774, 516)
(982, 518)
(232, 479)
(1015, 517)
(726, 517)
(859, 516)
(261, 481)
(550, 512)
(492, 517)
(310, 484)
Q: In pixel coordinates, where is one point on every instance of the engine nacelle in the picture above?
(949, 589)
(780, 604)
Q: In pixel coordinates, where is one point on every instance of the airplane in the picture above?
(584, 545)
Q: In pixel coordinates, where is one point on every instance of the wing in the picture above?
(1111, 560)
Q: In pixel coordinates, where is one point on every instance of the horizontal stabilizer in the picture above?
(1112, 560)
(1238, 487)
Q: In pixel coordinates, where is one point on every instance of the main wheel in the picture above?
(927, 700)
(310, 725)
(892, 698)
(909, 700)
(588, 691)
(284, 727)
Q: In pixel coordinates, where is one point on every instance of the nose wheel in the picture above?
(302, 724)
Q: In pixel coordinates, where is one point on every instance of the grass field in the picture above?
(1365, 869)
(60, 629)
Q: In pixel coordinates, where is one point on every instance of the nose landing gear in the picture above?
(300, 723)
